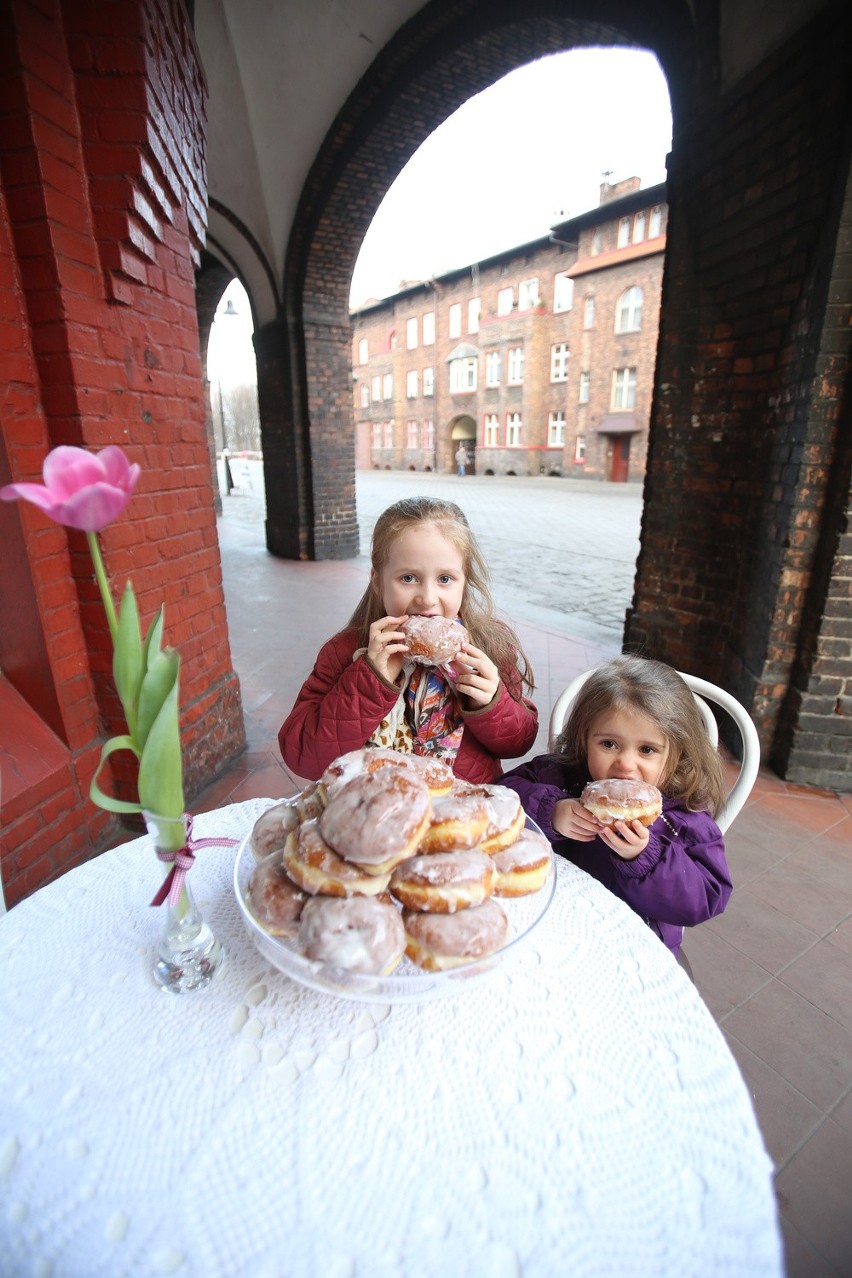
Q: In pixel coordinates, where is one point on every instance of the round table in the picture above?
(577, 1112)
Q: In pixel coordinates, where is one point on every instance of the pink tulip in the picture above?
(81, 489)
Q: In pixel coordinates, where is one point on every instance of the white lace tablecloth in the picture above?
(578, 1113)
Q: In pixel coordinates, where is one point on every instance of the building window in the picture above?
(365, 395)
(387, 386)
(462, 375)
(639, 228)
(585, 386)
(628, 311)
(429, 328)
(559, 362)
(455, 319)
(411, 384)
(623, 232)
(391, 346)
(589, 313)
(505, 301)
(556, 429)
(388, 434)
(491, 430)
(376, 384)
(411, 434)
(563, 293)
(376, 434)
(624, 388)
(474, 310)
(363, 355)
(492, 368)
(411, 334)
(515, 370)
(655, 224)
(580, 449)
(428, 436)
(596, 243)
(513, 430)
(528, 295)
(428, 381)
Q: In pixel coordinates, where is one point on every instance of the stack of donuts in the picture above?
(388, 854)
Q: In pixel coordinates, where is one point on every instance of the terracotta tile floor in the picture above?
(775, 969)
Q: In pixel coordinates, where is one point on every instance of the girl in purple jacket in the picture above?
(637, 720)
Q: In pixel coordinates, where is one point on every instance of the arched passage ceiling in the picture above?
(279, 71)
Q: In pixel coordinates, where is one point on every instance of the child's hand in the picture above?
(475, 675)
(626, 838)
(387, 647)
(574, 821)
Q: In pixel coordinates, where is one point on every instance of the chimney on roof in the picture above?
(615, 192)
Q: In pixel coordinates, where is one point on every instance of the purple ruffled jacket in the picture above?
(681, 878)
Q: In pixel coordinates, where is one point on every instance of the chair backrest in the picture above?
(703, 692)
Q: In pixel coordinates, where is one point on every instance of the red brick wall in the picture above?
(102, 168)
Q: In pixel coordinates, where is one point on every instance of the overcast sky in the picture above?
(516, 158)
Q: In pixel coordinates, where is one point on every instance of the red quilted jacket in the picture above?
(342, 702)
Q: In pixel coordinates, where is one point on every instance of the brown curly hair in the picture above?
(693, 771)
(477, 614)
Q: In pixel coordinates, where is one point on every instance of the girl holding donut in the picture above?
(635, 720)
(371, 686)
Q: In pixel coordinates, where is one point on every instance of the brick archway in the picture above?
(437, 61)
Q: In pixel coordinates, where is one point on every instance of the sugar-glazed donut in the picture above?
(522, 868)
(359, 934)
(619, 800)
(274, 899)
(459, 819)
(377, 819)
(506, 817)
(437, 942)
(437, 774)
(270, 830)
(433, 641)
(444, 882)
(317, 868)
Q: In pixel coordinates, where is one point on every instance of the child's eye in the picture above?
(445, 579)
(608, 744)
(406, 578)
(649, 749)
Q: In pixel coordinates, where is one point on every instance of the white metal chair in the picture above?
(703, 692)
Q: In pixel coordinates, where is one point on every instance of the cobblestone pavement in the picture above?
(561, 552)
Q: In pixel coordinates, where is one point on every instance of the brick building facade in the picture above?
(102, 200)
(539, 360)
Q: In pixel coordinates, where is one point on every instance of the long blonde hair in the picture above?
(693, 772)
(486, 631)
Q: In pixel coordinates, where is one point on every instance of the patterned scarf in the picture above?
(426, 719)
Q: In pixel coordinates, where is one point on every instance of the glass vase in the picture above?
(188, 954)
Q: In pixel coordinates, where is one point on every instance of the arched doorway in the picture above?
(463, 437)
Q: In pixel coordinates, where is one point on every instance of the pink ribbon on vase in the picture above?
(182, 861)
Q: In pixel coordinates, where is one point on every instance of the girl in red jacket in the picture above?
(364, 691)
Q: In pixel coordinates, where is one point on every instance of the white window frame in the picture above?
(506, 300)
(556, 428)
(655, 222)
(411, 380)
(596, 242)
(388, 433)
(428, 381)
(429, 328)
(387, 386)
(474, 311)
(563, 294)
(376, 384)
(491, 430)
(515, 366)
(455, 319)
(492, 368)
(411, 334)
(514, 428)
(589, 311)
(528, 295)
(376, 434)
(365, 395)
(411, 434)
(427, 438)
(463, 375)
(639, 227)
(363, 351)
(585, 387)
(623, 232)
(580, 450)
(623, 397)
(559, 357)
(628, 310)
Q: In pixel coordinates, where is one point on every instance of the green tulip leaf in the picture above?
(127, 662)
(160, 765)
(160, 677)
(96, 794)
(154, 639)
